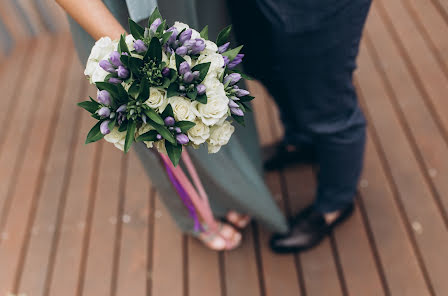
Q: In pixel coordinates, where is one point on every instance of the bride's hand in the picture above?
(94, 17)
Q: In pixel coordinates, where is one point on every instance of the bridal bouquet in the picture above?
(166, 87)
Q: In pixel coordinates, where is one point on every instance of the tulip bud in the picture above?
(196, 75)
(182, 139)
(232, 104)
(155, 24)
(198, 46)
(103, 96)
(166, 72)
(104, 127)
(115, 59)
(226, 60)
(178, 130)
(185, 35)
(159, 137)
(169, 121)
(107, 66)
(223, 47)
(122, 108)
(122, 72)
(232, 78)
(182, 50)
(139, 46)
(236, 111)
(188, 77)
(115, 80)
(173, 36)
(184, 67)
(241, 92)
(201, 89)
(104, 112)
(181, 88)
(144, 118)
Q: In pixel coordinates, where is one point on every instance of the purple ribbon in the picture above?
(185, 198)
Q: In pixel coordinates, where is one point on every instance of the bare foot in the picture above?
(239, 220)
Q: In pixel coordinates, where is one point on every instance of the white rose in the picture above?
(220, 136)
(216, 107)
(160, 146)
(117, 138)
(129, 40)
(216, 62)
(104, 46)
(156, 97)
(210, 47)
(144, 129)
(199, 133)
(182, 108)
(98, 75)
(180, 26)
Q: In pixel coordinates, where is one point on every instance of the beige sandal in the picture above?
(238, 220)
(226, 238)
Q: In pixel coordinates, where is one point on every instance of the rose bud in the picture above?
(166, 72)
(184, 67)
(169, 121)
(122, 72)
(223, 47)
(155, 24)
(107, 66)
(201, 89)
(241, 92)
(182, 50)
(122, 108)
(232, 78)
(159, 137)
(182, 139)
(104, 111)
(115, 59)
(232, 104)
(237, 111)
(103, 97)
(185, 35)
(104, 127)
(115, 80)
(139, 46)
(188, 77)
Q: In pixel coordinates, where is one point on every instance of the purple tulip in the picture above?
(232, 78)
(232, 104)
(169, 121)
(122, 72)
(140, 46)
(178, 130)
(188, 77)
(182, 50)
(159, 137)
(182, 139)
(103, 97)
(104, 112)
(236, 111)
(198, 46)
(201, 89)
(107, 66)
(166, 72)
(115, 80)
(104, 127)
(226, 60)
(184, 67)
(236, 61)
(241, 92)
(223, 47)
(115, 59)
(122, 108)
(155, 24)
(185, 35)
(173, 35)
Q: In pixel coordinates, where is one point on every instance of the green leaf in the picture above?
(94, 134)
(168, 111)
(123, 96)
(122, 46)
(174, 152)
(179, 60)
(184, 125)
(192, 94)
(148, 136)
(111, 124)
(161, 27)
(135, 65)
(155, 15)
(246, 106)
(172, 90)
(136, 30)
(239, 119)
(163, 131)
(96, 116)
(125, 60)
(130, 135)
(202, 99)
(231, 54)
(165, 37)
(123, 127)
(203, 70)
(223, 36)
(110, 87)
(153, 115)
(134, 89)
(204, 33)
(143, 92)
(154, 50)
(247, 98)
(90, 106)
(166, 83)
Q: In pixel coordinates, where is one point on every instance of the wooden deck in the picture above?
(83, 220)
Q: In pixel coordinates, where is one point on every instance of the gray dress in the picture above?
(233, 176)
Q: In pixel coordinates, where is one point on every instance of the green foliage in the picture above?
(136, 30)
(203, 70)
(90, 106)
(95, 133)
(174, 152)
(185, 125)
(155, 15)
(148, 136)
(223, 36)
(204, 33)
(130, 135)
(231, 54)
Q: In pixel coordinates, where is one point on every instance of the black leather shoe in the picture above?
(308, 229)
(283, 157)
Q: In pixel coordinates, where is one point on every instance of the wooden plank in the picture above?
(55, 178)
(28, 184)
(68, 260)
(411, 185)
(98, 274)
(167, 270)
(132, 270)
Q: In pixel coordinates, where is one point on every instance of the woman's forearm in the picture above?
(94, 17)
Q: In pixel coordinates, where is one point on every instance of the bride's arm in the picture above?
(94, 17)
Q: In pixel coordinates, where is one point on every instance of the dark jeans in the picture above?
(305, 52)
